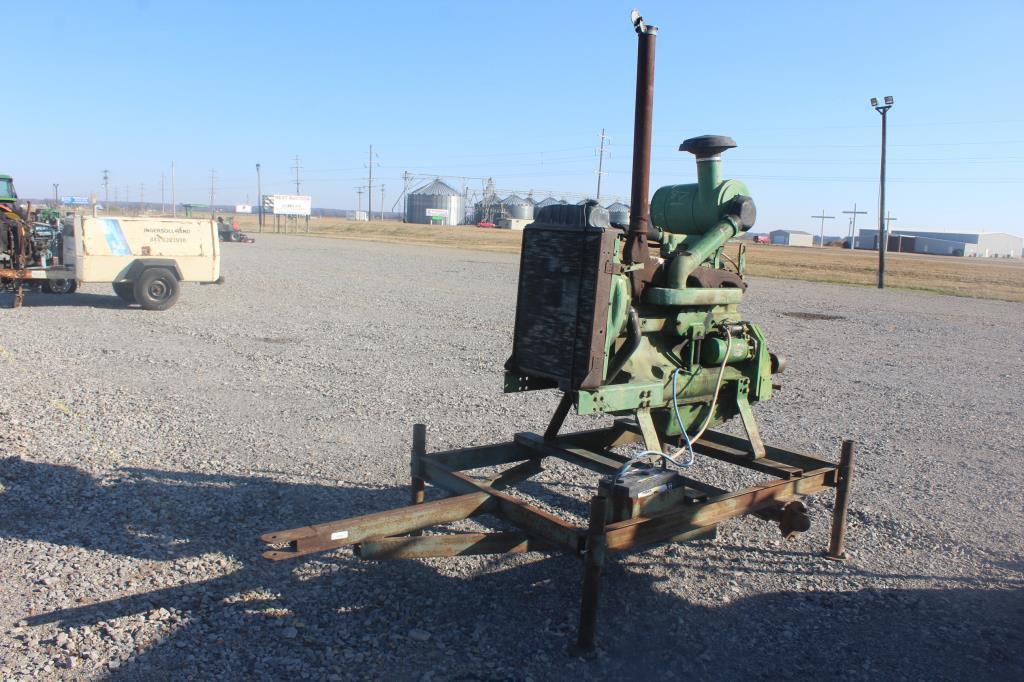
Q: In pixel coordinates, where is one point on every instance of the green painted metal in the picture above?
(687, 209)
(7, 193)
(692, 297)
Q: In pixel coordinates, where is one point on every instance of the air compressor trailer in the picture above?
(644, 325)
(145, 259)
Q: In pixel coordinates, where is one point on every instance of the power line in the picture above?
(823, 219)
(213, 188)
(297, 167)
(600, 164)
(853, 223)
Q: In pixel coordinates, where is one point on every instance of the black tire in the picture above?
(60, 286)
(125, 291)
(156, 289)
(236, 236)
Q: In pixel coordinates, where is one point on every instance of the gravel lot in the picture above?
(141, 455)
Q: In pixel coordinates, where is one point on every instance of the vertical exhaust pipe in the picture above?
(637, 250)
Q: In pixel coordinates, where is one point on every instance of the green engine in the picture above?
(657, 335)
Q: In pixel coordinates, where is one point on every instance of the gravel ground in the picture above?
(142, 454)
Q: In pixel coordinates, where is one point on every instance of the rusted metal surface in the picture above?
(691, 510)
(683, 519)
(558, 418)
(637, 249)
(844, 479)
(599, 462)
(461, 544)
(593, 562)
(334, 534)
(419, 448)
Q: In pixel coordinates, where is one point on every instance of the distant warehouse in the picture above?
(791, 238)
(983, 244)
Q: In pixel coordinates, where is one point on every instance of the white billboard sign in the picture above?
(437, 212)
(288, 204)
(243, 208)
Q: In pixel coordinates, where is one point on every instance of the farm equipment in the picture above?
(26, 244)
(642, 324)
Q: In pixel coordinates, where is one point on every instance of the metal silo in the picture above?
(550, 201)
(518, 208)
(488, 209)
(618, 213)
(424, 204)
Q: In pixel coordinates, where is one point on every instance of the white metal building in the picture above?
(982, 244)
(791, 238)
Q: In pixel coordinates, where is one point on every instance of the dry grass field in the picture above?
(1000, 279)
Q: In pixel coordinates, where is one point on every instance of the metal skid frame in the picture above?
(690, 511)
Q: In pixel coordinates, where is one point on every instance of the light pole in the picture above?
(56, 201)
(259, 196)
(883, 233)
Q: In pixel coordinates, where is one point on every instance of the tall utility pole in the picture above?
(297, 167)
(142, 198)
(853, 223)
(369, 189)
(163, 205)
(823, 219)
(259, 197)
(106, 187)
(883, 228)
(56, 200)
(382, 202)
(174, 202)
(600, 164)
(213, 188)
(359, 200)
(406, 179)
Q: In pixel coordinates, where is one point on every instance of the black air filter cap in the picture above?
(706, 146)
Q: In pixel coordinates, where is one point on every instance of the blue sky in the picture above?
(519, 92)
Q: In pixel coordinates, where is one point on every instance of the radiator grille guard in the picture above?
(562, 306)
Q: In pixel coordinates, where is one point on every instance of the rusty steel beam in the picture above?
(534, 521)
(646, 530)
(601, 463)
(734, 445)
(517, 474)
(593, 562)
(325, 536)
(462, 544)
(480, 457)
(844, 479)
(600, 439)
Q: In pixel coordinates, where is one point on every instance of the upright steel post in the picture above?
(639, 220)
(844, 478)
(593, 561)
(419, 448)
(259, 196)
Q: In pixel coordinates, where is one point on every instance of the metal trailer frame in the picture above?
(691, 511)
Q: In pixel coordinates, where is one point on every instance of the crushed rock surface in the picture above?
(141, 454)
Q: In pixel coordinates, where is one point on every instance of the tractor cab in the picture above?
(7, 193)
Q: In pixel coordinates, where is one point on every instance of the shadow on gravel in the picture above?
(41, 300)
(336, 615)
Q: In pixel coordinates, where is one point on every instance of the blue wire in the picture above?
(682, 429)
(679, 419)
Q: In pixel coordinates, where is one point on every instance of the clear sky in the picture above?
(519, 92)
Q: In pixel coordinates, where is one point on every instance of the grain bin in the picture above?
(618, 213)
(436, 203)
(518, 208)
(488, 209)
